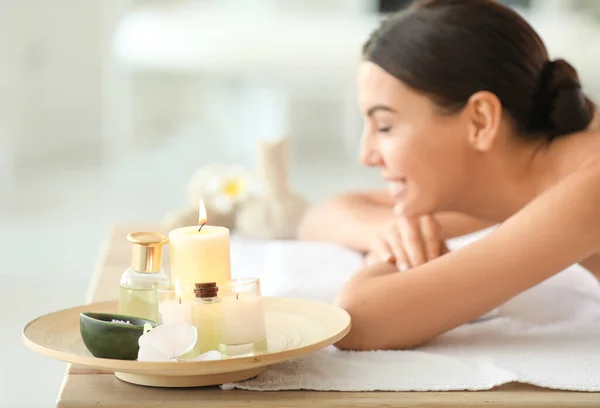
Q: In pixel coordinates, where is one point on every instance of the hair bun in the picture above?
(561, 106)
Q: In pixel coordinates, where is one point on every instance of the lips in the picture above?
(397, 188)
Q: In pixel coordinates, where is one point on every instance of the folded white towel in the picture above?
(548, 336)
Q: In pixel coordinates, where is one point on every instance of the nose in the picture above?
(369, 154)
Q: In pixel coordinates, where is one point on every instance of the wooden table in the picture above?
(83, 387)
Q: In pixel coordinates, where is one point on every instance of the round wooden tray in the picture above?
(294, 327)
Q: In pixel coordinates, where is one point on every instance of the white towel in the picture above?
(548, 336)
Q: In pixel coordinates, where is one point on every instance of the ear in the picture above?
(484, 114)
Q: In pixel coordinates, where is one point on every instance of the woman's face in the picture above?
(421, 152)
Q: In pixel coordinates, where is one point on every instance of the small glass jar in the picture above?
(244, 332)
(139, 283)
(207, 315)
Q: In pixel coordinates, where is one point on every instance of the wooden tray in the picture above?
(294, 327)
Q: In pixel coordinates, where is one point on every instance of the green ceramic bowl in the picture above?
(105, 339)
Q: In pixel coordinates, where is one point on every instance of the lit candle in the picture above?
(244, 320)
(199, 254)
(175, 310)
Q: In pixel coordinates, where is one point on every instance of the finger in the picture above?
(412, 240)
(398, 210)
(382, 249)
(394, 241)
(402, 261)
(372, 258)
(430, 232)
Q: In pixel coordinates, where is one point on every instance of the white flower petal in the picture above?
(215, 181)
(149, 353)
(222, 204)
(171, 340)
(213, 184)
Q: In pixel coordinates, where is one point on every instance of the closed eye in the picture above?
(384, 129)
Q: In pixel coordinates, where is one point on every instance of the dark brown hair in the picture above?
(451, 49)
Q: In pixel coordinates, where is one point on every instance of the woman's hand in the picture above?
(408, 242)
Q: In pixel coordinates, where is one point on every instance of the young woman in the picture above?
(472, 125)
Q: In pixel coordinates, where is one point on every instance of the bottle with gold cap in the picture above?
(138, 295)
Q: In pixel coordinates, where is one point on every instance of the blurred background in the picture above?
(108, 107)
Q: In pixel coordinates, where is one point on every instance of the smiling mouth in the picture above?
(397, 187)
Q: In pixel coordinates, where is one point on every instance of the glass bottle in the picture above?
(207, 317)
(139, 283)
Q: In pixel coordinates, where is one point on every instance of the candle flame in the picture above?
(178, 290)
(201, 213)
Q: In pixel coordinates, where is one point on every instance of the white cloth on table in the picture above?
(547, 336)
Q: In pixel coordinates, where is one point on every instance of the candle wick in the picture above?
(237, 296)
(179, 297)
(202, 225)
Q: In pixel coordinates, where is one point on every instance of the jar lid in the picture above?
(147, 238)
(146, 254)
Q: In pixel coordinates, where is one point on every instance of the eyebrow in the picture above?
(376, 108)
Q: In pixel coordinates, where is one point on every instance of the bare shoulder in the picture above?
(557, 229)
(571, 204)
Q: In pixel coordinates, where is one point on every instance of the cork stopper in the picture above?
(206, 290)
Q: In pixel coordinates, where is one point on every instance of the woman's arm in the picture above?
(392, 310)
(351, 219)
(355, 219)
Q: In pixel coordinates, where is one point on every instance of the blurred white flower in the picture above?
(220, 186)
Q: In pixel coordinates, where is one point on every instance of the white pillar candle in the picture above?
(199, 256)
